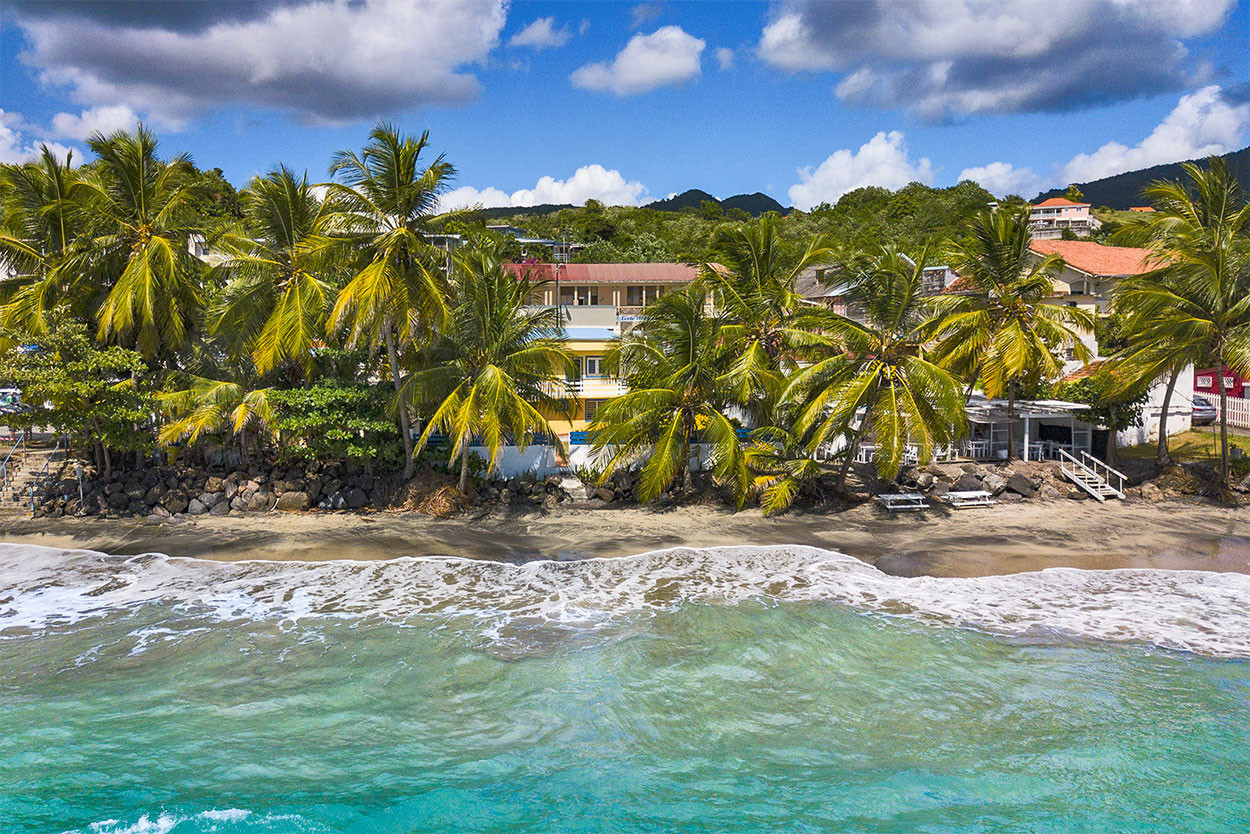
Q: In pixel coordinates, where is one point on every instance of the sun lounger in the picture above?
(970, 498)
(902, 501)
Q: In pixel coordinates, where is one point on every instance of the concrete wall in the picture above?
(513, 462)
(1180, 412)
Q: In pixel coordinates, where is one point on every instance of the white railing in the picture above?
(1236, 413)
(7, 467)
(1089, 468)
(1114, 477)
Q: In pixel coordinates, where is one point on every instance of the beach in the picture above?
(1004, 539)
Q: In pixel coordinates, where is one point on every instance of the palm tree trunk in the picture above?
(1165, 455)
(393, 358)
(464, 469)
(851, 450)
(1011, 417)
(1223, 422)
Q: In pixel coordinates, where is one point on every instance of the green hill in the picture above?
(1125, 190)
(753, 204)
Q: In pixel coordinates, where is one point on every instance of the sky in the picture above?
(541, 102)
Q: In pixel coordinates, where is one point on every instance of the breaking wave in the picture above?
(1196, 611)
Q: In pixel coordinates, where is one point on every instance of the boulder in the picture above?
(1010, 497)
(994, 483)
(174, 503)
(967, 482)
(940, 488)
(605, 495)
(291, 502)
(214, 484)
(1150, 492)
(356, 498)
(160, 512)
(1021, 485)
(210, 499)
(260, 502)
(238, 503)
(338, 500)
(925, 480)
(550, 502)
(221, 508)
(154, 495)
(971, 469)
(196, 507)
(1048, 493)
(118, 500)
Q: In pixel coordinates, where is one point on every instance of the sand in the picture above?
(1008, 538)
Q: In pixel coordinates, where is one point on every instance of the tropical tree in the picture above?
(783, 466)
(1194, 306)
(752, 283)
(140, 218)
(281, 266)
(494, 367)
(874, 376)
(671, 362)
(999, 328)
(39, 225)
(208, 406)
(386, 209)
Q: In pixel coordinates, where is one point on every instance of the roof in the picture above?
(1141, 208)
(647, 273)
(1094, 258)
(1057, 201)
(589, 334)
(810, 284)
(1084, 371)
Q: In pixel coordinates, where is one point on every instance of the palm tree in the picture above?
(874, 376)
(783, 466)
(281, 267)
(671, 364)
(999, 329)
(208, 405)
(139, 211)
(1195, 305)
(386, 207)
(39, 225)
(493, 366)
(753, 286)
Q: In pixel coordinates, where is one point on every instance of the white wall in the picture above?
(513, 462)
(1179, 417)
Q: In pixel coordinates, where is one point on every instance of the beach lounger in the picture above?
(970, 498)
(902, 501)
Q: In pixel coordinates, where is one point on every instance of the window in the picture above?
(1204, 382)
(579, 296)
(592, 365)
(640, 296)
(592, 406)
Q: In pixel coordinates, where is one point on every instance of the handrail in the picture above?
(42, 472)
(1084, 468)
(4, 467)
(1097, 462)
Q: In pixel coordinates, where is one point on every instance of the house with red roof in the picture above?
(1050, 218)
(1091, 270)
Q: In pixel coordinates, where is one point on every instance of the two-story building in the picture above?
(1049, 218)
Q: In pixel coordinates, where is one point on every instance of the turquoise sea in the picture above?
(732, 689)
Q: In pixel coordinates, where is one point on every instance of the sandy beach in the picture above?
(997, 540)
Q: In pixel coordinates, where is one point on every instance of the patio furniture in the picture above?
(902, 501)
(970, 498)
(865, 453)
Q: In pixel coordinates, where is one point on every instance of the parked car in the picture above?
(1204, 412)
(11, 401)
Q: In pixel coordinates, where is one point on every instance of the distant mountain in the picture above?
(1125, 190)
(509, 211)
(753, 204)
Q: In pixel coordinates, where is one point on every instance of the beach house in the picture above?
(1050, 218)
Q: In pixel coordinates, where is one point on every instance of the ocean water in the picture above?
(730, 689)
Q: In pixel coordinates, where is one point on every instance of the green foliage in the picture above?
(82, 389)
(336, 421)
(1111, 405)
(1074, 193)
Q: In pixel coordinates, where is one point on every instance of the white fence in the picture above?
(1238, 411)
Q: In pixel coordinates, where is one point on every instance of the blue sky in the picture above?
(632, 102)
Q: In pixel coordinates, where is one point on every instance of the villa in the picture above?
(1050, 218)
(604, 295)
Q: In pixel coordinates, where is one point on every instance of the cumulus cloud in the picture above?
(542, 34)
(954, 57)
(106, 120)
(15, 148)
(1202, 123)
(1002, 178)
(725, 57)
(667, 56)
(882, 160)
(590, 182)
(322, 60)
(644, 13)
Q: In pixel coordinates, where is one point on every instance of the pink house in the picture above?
(1049, 218)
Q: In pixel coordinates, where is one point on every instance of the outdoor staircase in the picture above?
(1092, 475)
(26, 463)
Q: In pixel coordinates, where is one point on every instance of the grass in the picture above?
(1201, 445)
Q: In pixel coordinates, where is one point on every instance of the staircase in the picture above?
(1092, 475)
(25, 462)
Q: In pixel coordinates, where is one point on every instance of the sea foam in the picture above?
(1196, 611)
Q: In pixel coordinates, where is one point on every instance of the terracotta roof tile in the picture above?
(649, 273)
(1094, 258)
(1057, 201)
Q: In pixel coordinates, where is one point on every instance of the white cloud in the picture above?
(590, 182)
(1002, 178)
(324, 60)
(882, 161)
(1202, 123)
(943, 57)
(15, 148)
(725, 57)
(541, 34)
(106, 120)
(667, 56)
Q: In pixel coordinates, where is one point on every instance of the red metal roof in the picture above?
(649, 273)
(1094, 258)
(1057, 201)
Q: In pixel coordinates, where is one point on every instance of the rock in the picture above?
(940, 488)
(1150, 492)
(260, 502)
(1048, 493)
(596, 503)
(291, 502)
(210, 499)
(238, 503)
(1078, 495)
(232, 488)
(196, 507)
(214, 484)
(550, 502)
(153, 496)
(160, 512)
(1009, 497)
(605, 495)
(967, 482)
(114, 488)
(925, 480)
(971, 469)
(174, 503)
(994, 483)
(1021, 485)
(221, 508)
(118, 500)
(356, 498)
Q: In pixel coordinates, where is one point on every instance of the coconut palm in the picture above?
(1194, 306)
(207, 406)
(387, 210)
(140, 216)
(874, 377)
(783, 466)
(753, 287)
(493, 366)
(39, 225)
(671, 364)
(281, 267)
(999, 328)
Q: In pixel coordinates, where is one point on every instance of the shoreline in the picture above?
(997, 540)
